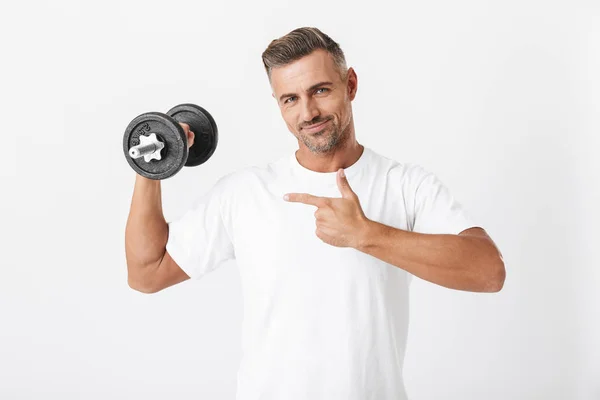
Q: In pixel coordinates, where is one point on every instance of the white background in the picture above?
(501, 100)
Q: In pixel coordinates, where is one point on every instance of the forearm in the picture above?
(146, 231)
(467, 263)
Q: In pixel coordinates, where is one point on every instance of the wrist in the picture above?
(367, 235)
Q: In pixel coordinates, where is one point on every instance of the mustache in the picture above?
(314, 122)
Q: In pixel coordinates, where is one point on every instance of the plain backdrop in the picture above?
(500, 99)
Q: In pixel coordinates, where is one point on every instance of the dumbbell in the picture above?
(156, 145)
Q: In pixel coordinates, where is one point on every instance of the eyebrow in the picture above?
(313, 87)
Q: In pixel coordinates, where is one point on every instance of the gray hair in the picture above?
(299, 43)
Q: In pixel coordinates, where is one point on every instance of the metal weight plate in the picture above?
(173, 155)
(205, 130)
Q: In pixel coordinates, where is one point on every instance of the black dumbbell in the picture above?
(156, 146)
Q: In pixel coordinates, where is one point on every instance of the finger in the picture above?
(190, 137)
(185, 126)
(320, 234)
(323, 214)
(343, 185)
(305, 198)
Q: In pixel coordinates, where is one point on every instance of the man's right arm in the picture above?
(150, 268)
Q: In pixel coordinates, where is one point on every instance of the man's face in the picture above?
(314, 100)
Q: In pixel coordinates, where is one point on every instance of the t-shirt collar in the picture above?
(327, 177)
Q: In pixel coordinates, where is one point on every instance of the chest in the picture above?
(274, 237)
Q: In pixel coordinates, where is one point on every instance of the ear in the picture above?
(352, 83)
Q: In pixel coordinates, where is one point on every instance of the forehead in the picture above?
(299, 75)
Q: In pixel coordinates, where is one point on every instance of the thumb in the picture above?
(191, 136)
(343, 184)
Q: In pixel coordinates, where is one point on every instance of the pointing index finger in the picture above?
(304, 198)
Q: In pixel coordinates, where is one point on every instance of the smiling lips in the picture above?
(315, 128)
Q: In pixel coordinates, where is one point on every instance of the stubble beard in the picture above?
(334, 138)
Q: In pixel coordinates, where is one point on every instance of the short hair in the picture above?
(299, 43)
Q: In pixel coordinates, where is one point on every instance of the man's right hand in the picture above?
(190, 135)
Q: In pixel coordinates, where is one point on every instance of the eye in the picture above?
(317, 91)
(288, 99)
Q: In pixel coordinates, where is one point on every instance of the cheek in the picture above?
(335, 106)
(289, 117)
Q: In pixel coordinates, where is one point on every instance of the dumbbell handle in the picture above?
(149, 147)
(142, 150)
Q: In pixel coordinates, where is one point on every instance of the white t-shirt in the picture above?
(320, 322)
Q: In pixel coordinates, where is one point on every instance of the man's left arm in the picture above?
(468, 261)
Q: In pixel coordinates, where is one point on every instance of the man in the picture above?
(326, 241)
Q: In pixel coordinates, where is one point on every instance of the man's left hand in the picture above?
(341, 222)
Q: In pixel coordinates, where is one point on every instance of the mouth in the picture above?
(315, 128)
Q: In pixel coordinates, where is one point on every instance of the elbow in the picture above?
(141, 288)
(495, 280)
(142, 284)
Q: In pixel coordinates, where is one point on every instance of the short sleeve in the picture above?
(199, 240)
(436, 211)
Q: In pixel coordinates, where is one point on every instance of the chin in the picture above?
(321, 146)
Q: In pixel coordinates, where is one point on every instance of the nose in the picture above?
(309, 111)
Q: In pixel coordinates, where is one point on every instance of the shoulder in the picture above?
(247, 177)
(409, 174)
